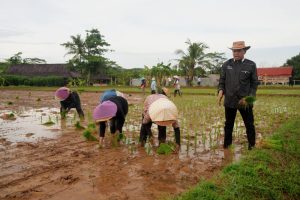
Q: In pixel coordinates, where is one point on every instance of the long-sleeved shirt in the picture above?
(153, 85)
(119, 119)
(73, 101)
(237, 80)
(107, 94)
(148, 101)
(177, 84)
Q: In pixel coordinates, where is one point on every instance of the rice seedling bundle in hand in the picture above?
(249, 101)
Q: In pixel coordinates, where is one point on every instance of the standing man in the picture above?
(153, 86)
(238, 79)
(199, 80)
(143, 85)
(176, 86)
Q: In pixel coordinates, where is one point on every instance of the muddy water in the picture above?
(28, 125)
(55, 162)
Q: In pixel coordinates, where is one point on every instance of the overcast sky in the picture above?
(144, 32)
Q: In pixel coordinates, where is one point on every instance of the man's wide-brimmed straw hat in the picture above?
(105, 111)
(239, 45)
(163, 112)
(62, 93)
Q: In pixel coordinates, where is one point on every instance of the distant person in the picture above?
(238, 79)
(169, 81)
(110, 93)
(113, 110)
(153, 86)
(160, 110)
(68, 100)
(199, 81)
(143, 85)
(176, 86)
(291, 81)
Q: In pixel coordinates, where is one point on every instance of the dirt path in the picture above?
(67, 167)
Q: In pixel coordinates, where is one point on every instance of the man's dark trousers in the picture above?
(247, 115)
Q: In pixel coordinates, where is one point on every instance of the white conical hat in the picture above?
(163, 110)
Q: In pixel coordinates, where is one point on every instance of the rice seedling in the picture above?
(115, 140)
(87, 134)
(148, 147)
(164, 149)
(195, 141)
(49, 122)
(250, 100)
(10, 103)
(188, 141)
(203, 139)
(78, 126)
(91, 126)
(17, 98)
(74, 117)
(38, 99)
(63, 114)
(10, 116)
(121, 137)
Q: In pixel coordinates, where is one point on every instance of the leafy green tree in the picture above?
(34, 61)
(88, 54)
(194, 57)
(17, 59)
(3, 67)
(295, 63)
(160, 71)
(215, 64)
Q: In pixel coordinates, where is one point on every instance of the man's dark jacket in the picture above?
(237, 80)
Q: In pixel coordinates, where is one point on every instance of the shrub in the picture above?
(34, 81)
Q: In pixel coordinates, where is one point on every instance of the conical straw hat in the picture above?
(105, 111)
(163, 110)
(62, 93)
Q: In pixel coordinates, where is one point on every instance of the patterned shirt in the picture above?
(149, 100)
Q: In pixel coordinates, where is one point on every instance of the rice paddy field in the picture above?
(45, 157)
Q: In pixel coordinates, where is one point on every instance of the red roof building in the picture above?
(274, 75)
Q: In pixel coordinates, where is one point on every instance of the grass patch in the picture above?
(262, 90)
(269, 172)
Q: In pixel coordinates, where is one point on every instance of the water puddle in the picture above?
(30, 125)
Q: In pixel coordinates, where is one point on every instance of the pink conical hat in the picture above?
(62, 93)
(105, 111)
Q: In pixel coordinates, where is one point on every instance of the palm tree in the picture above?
(88, 53)
(194, 57)
(76, 47)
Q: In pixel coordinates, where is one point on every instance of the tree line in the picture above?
(87, 57)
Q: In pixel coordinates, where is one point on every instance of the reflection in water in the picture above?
(29, 125)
